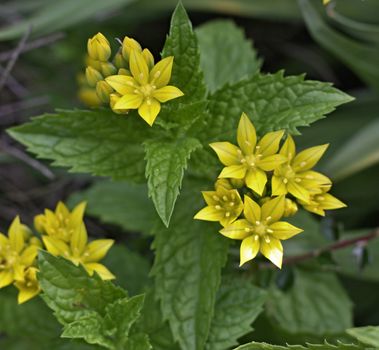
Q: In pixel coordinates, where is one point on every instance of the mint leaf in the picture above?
(238, 304)
(187, 270)
(311, 306)
(98, 142)
(166, 162)
(119, 203)
(272, 101)
(226, 56)
(367, 335)
(182, 44)
(325, 346)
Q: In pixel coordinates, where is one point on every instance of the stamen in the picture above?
(239, 151)
(227, 214)
(256, 237)
(303, 164)
(215, 198)
(141, 75)
(268, 218)
(257, 223)
(218, 207)
(247, 229)
(267, 239)
(136, 91)
(231, 204)
(252, 164)
(157, 74)
(243, 160)
(269, 230)
(297, 180)
(248, 142)
(309, 177)
(285, 180)
(225, 198)
(257, 147)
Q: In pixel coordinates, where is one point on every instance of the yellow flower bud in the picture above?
(129, 44)
(123, 71)
(108, 69)
(89, 97)
(119, 61)
(223, 183)
(290, 208)
(39, 223)
(113, 100)
(93, 63)
(103, 90)
(98, 47)
(35, 241)
(149, 58)
(93, 76)
(237, 183)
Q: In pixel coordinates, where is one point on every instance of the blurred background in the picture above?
(42, 48)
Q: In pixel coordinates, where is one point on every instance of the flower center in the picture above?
(227, 203)
(147, 90)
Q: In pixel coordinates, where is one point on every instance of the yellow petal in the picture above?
(25, 293)
(160, 75)
(210, 213)
(96, 250)
(272, 249)
(4, 241)
(28, 255)
(149, 110)
(149, 58)
(209, 197)
(252, 210)
(39, 223)
(288, 149)
(100, 269)
(167, 93)
(272, 162)
(249, 249)
(79, 240)
(56, 246)
(328, 202)
(6, 278)
(18, 272)
(311, 179)
(269, 144)
(278, 186)
(228, 153)
(298, 191)
(16, 237)
(256, 180)
(308, 158)
(246, 135)
(237, 230)
(233, 172)
(284, 230)
(138, 67)
(273, 209)
(129, 101)
(122, 84)
(76, 216)
(314, 208)
(61, 210)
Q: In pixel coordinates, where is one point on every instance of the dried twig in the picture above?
(22, 105)
(19, 90)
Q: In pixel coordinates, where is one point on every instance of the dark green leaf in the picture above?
(366, 335)
(325, 346)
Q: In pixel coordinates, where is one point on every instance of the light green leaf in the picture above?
(187, 270)
(358, 153)
(98, 142)
(182, 44)
(121, 203)
(325, 346)
(225, 54)
(238, 304)
(367, 335)
(316, 304)
(166, 162)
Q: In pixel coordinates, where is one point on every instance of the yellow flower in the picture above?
(79, 252)
(322, 201)
(147, 88)
(28, 288)
(15, 254)
(252, 159)
(224, 205)
(261, 230)
(98, 47)
(61, 223)
(295, 176)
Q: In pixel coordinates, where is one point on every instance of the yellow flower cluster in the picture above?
(63, 234)
(274, 179)
(130, 81)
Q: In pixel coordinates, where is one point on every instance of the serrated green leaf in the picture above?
(71, 292)
(187, 270)
(121, 203)
(367, 335)
(166, 162)
(325, 346)
(182, 44)
(272, 101)
(226, 56)
(98, 142)
(139, 341)
(238, 304)
(316, 304)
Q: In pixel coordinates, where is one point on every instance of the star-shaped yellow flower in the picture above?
(261, 230)
(252, 159)
(147, 88)
(320, 202)
(295, 176)
(79, 252)
(15, 254)
(224, 204)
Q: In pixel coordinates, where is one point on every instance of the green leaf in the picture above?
(325, 346)
(182, 44)
(358, 153)
(316, 304)
(187, 270)
(225, 54)
(121, 203)
(238, 304)
(272, 101)
(367, 335)
(166, 162)
(97, 142)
